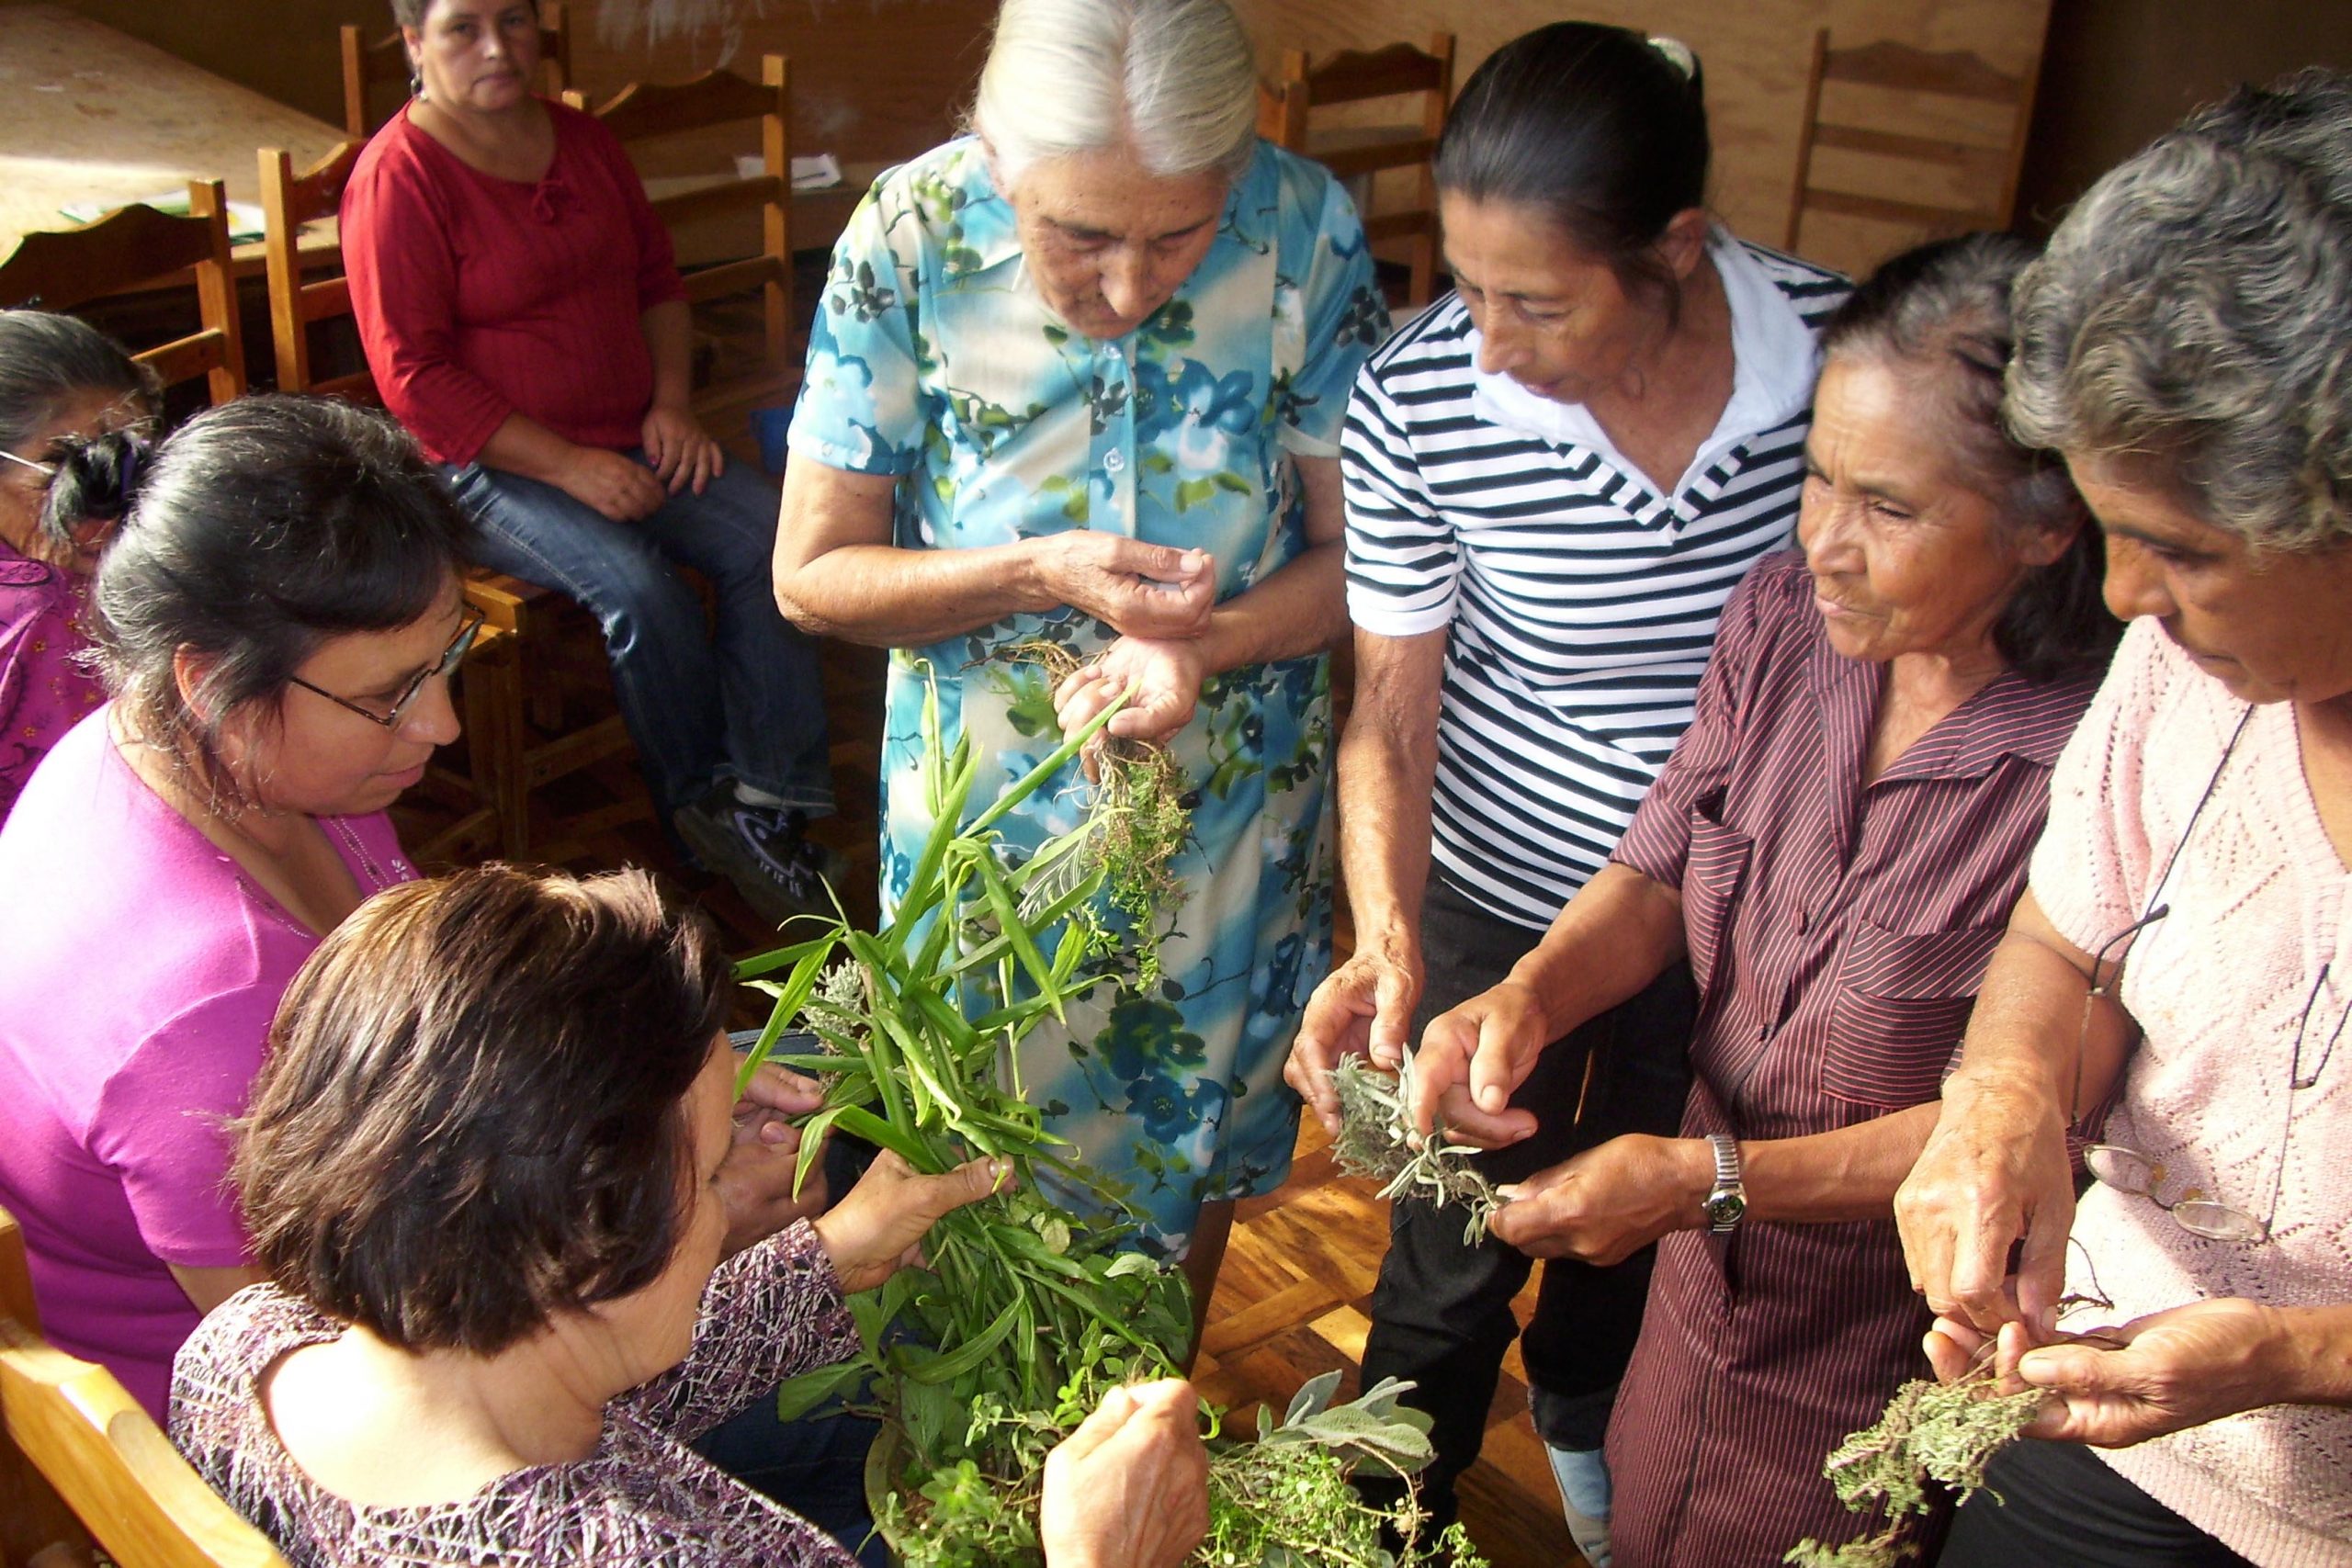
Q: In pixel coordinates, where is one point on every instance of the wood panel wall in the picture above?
(1755, 54)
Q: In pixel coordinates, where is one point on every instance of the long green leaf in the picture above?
(862, 1123)
(790, 1001)
(795, 1396)
(1008, 916)
(777, 958)
(971, 1353)
(1055, 762)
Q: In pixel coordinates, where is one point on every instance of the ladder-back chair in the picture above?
(1357, 153)
(647, 111)
(137, 247)
(369, 67)
(81, 1464)
(1985, 174)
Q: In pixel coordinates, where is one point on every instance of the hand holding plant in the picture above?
(1129, 1488)
(878, 1228)
(757, 1183)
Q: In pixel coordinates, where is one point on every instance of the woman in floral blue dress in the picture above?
(1079, 378)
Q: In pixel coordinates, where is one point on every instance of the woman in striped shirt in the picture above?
(1833, 846)
(1553, 481)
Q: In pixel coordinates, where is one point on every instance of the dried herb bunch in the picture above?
(1932, 1431)
(1377, 1139)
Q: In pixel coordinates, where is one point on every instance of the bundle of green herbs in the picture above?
(1026, 1313)
(1930, 1431)
(1377, 1141)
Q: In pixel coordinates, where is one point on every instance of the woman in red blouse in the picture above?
(523, 315)
(1834, 846)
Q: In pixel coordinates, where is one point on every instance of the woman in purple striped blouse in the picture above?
(1834, 845)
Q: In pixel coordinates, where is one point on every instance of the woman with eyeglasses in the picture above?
(2183, 956)
(275, 621)
(61, 383)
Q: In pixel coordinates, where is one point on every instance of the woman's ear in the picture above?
(1685, 241)
(190, 670)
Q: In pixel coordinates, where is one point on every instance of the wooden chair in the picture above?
(648, 111)
(370, 67)
(137, 247)
(494, 797)
(1988, 173)
(81, 1464)
(1357, 153)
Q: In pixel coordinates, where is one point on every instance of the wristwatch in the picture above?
(1727, 1203)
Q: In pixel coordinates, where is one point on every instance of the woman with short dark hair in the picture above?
(1832, 846)
(1554, 481)
(62, 382)
(277, 620)
(479, 1168)
(2176, 982)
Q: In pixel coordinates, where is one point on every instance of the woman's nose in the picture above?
(433, 717)
(1498, 350)
(2134, 586)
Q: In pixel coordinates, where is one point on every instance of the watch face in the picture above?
(1724, 1209)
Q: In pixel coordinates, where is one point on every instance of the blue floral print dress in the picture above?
(934, 357)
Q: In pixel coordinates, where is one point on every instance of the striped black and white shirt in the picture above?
(1582, 602)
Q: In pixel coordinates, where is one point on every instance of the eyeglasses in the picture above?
(2130, 1172)
(451, 656)
(46, 471)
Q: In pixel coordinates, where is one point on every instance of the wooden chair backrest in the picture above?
(645, 110)
(1955, 75)
(135, 247)
(290, 200)
(81, 1462)
(1285, 112)
(368, 66)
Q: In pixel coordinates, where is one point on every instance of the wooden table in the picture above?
(90, 114)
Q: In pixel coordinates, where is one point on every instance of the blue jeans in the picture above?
(747, 703)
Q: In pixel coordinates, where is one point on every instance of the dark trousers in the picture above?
(1441, 1314)
(2061, 1503)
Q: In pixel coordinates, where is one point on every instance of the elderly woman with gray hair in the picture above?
(2184, 953)
(1078, 379)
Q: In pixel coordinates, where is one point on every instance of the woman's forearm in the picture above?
(1301, 609)
(1848, 1174)
(2317, 1355)
(523, 445)
(1614, 937)
(669, 331)
(1387, 766)
(883, 596)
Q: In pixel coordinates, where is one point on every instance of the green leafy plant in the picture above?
(1930, 1431)
(1026, 1315)
(1377, 1139)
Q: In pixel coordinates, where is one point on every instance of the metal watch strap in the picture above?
(1728, 1201)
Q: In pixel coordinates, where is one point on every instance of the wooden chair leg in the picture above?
(493, 697)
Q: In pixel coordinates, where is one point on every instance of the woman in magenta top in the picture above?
(275, 621)
(62, 381)
(523, 316)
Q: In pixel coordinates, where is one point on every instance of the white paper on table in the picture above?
(820, 173)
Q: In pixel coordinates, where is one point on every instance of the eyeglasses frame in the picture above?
(451, 656)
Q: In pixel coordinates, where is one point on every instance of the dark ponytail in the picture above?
(1600, 131)
(47, 363)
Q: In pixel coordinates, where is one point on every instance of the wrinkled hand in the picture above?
(1994, 1170)
(1129, 1488)
(755, 1180)
(614, 485)
(878, 1228)
(1138, 590)
(682, 453)
(1163, 675)
(1487, 1047)
(2114, 1387)
(1610, 1201)
(1363, 1007)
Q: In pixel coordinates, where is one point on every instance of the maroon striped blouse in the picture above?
(1839, 935)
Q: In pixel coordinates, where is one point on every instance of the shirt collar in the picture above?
(2008, 717)
(1774, 359)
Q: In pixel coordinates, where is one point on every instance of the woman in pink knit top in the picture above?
(2184, 953)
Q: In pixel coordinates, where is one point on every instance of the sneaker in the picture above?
(765, 852)
(1583, 1478)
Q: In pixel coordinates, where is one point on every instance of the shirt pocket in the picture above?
(1902, 1005)
(1713, 868)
